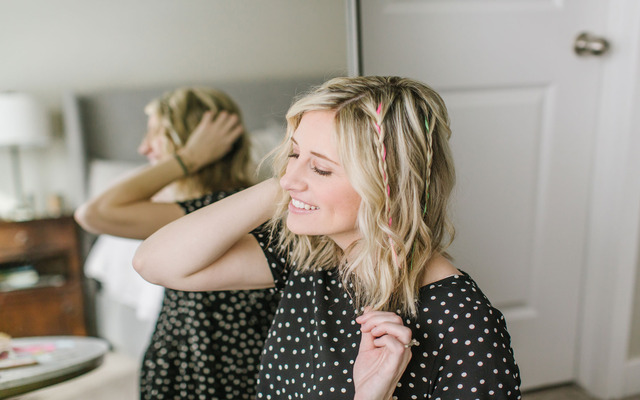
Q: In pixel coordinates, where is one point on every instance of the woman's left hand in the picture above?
(383, 356)
(211, 140)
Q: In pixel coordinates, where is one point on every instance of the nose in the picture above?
(293, 178)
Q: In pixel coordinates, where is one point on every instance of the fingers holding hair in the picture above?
(383, 355)
(381, 323)
(212, 139)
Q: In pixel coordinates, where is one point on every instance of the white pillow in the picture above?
(103, 173)
(263, 141)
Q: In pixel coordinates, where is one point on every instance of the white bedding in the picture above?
(109, 260)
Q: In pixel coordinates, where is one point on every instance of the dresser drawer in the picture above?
(43, 312)
(29, 238)
(41, 279)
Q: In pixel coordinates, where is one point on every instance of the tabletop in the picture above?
(50, 360)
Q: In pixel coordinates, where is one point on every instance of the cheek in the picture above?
(350, 203)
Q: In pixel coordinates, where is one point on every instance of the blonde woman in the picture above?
(205, 344)
(354, 234)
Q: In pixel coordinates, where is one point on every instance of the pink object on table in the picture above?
(35, 349)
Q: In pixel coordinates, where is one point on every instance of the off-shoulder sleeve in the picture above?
(276, 256)
(464, 349)
(477, 361)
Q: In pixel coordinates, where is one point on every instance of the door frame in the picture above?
(612, 260)
(354, 66)
(613, 242)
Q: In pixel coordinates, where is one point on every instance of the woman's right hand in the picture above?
(211, 140)
(385, 351)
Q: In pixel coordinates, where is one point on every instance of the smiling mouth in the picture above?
(302, 206)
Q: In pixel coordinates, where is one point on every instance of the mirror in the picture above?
(93, 47)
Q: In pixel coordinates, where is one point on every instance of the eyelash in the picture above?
(314, 169)
(321, 172)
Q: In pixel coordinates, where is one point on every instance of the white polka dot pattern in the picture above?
(464, 350)
(207, 345)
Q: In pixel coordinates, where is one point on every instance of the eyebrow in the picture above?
(319, 155)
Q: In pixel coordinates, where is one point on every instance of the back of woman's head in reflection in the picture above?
(172, 119)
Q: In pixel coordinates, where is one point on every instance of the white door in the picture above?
(523, 108)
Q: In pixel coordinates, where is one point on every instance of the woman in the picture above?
(372, 305)
(205, 344)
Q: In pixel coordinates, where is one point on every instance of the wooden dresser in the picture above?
(41, 279)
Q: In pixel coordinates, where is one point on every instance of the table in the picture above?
(61, 358)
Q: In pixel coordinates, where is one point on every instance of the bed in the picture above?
(103, 129)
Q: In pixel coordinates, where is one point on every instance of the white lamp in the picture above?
(23, 123)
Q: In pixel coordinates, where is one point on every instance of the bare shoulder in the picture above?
(437, 269)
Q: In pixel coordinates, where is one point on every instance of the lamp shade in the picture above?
(23, 121)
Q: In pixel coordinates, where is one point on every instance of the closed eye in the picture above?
(321, 172)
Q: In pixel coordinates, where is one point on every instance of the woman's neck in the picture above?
(168, 194)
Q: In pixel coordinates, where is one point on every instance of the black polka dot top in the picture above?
(464, 350)
(207, 345)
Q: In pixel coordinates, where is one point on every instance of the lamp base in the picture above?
(23, 211)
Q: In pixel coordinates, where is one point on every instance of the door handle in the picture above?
(587, 44)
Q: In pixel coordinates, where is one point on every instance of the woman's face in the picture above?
(323, 202)
(154, 144)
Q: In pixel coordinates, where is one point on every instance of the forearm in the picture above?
(121, 203)
(200, 239)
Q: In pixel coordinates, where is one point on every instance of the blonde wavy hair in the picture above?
(402, 219)
(180, 112)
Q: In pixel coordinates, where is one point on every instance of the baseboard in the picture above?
(632, 377)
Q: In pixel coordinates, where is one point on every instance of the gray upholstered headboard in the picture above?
(109, 124)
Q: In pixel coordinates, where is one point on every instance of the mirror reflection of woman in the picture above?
(353, 232)
(205, 344)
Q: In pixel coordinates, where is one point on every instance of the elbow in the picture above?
(140, 263)
(92, 218)
(84, 216)
(143, 266)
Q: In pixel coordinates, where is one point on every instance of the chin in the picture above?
(299, 228)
